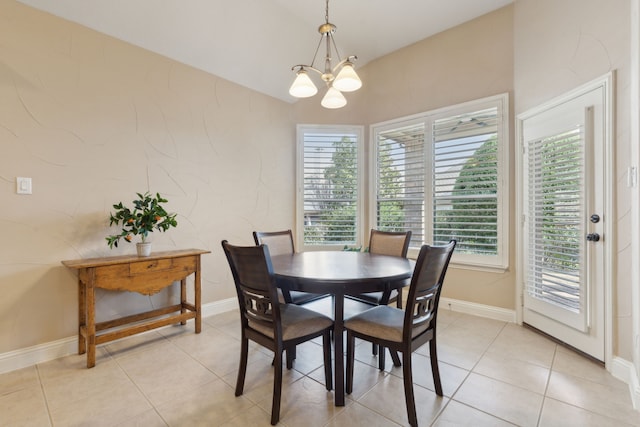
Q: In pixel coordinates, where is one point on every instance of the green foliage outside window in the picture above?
(472, 216)
(334, 198)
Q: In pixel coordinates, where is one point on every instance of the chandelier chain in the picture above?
(326, 12)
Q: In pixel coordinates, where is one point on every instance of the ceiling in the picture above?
(256, 42)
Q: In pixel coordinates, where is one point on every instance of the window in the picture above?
(400, 180)
(443, 175)
(329, 186)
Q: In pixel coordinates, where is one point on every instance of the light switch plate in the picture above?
(23, 185)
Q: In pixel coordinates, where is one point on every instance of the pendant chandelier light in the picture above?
(346, 79)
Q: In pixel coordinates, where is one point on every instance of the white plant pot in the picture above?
(144, 249)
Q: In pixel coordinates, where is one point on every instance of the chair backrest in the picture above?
(255, 285)
(394, 243)
(424, 290)
(279, 242)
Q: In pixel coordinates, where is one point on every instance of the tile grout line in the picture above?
(546, 387)
(135, 384)
(44, 395)
(470, 371)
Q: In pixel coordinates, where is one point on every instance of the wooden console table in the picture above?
(145, 275)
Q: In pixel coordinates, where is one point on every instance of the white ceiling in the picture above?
(256, 42)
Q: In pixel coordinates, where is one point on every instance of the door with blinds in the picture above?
(563, 224)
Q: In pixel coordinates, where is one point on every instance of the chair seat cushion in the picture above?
(382, 322)
(297, 322)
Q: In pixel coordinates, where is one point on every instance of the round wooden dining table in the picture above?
(340, 273)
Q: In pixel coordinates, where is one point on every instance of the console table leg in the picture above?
(82, 317)
(183, 297)
(197, 297)
(91, 325)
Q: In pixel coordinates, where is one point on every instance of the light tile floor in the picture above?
(493, 374)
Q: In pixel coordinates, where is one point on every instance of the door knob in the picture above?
(593, 237)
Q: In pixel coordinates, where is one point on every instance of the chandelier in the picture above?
(345, 81)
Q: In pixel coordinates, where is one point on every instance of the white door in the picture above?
(564, 219)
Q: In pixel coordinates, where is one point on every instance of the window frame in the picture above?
(499, 262)
(301, 130)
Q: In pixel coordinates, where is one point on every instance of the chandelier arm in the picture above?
(335, 47)
(351, 58)
(306, 67)
(317, 50)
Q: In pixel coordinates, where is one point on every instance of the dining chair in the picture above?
(281, 242)
(278, 327)
(405, 330)
(393, 243)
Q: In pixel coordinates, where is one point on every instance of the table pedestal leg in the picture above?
(338, 345)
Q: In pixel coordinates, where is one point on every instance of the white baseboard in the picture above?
(625, 371)
(25, 357)
(488, 311)
(218, 307)
(30, 356)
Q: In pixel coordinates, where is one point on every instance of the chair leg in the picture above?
(374, 348)
(328, 372)
(242, 370)
(291, 355)
(408, 388)
(277, 387)
(433, 355)
(350, 362)
(381, 357)
(395, 357)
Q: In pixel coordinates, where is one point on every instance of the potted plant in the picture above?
(147, 215)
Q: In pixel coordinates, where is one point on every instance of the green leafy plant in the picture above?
(146, 216)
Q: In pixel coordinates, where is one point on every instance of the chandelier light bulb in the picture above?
(333, 99)
(302, 86)
(347, 79)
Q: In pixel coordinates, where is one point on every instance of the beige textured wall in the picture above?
(560, 45)
(93, 120)
(471, 61)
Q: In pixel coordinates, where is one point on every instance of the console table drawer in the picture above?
(149, 266)
(145, 277)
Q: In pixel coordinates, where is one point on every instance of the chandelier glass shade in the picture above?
(346, 79)
(333, 99)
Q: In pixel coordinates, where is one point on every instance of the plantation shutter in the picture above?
(330, 187)
(400, 181)
(465, 181)
(556, 171)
